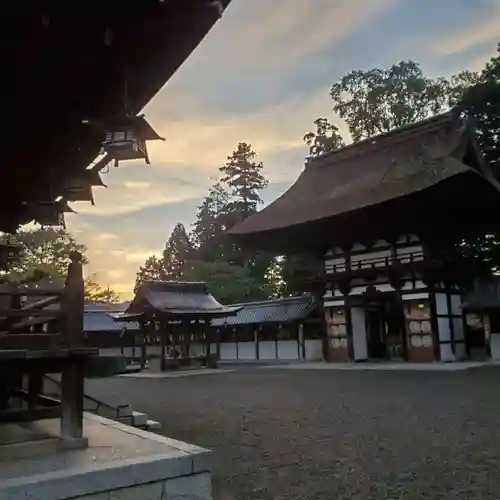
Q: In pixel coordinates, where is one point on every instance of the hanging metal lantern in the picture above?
(125, 138)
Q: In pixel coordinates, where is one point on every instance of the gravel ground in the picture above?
(290, 434)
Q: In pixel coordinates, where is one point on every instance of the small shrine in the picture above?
(387, 217)
(177, 313)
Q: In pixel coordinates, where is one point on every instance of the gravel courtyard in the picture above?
(297, 434)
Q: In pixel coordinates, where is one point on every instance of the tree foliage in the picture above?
(243, 176)
(326, 138)
(481, 101)
(97, 294)
(151, 270)
(228, 283)
(378, 100)
(178, 250)
(45, 250)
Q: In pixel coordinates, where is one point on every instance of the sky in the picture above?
(262, 76)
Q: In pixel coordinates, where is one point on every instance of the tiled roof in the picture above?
(178, 298)
(270, 311)
(96, 318)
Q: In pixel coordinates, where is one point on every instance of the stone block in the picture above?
(150, 491)
(195, 487)
(96, 496)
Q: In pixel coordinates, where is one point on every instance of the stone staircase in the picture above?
(122, 413)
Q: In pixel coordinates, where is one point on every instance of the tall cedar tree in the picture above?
(243, 175)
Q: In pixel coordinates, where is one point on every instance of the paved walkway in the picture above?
(384, 366)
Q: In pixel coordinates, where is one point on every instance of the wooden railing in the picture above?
(52, 323)
(375, 263)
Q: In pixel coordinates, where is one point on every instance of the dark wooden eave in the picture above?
(67, 62)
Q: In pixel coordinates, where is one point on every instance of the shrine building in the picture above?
(387, 216)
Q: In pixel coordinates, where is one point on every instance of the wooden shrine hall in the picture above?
(386, 216)
(175, 313)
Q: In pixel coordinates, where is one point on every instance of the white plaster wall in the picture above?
(446, 352)
(415, 296)
(246, 351)
(441, 303)
(456, 303)
(314, 349)
(410, 285)
(338, 262)
(405, 251)
(228, 350)
(495, 345)
(444, 329)
(380, 254)
(288, 349)
(333, 303)
(267, 349)
(359, 333)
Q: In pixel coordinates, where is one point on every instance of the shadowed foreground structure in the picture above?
(286, 434)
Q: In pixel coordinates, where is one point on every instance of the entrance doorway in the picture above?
(385, 327)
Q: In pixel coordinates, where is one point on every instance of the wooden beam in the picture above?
(30, 415)
(29, 341)
(32, 292)
(27, 313)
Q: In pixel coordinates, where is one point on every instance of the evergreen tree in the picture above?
(244, 177)
(153, 269)
(178, 250)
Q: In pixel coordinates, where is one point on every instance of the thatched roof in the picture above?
(372, 172)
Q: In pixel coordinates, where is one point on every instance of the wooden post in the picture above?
(162, 346)
(73, 302)
(72, 384)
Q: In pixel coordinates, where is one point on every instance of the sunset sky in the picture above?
(262, 76)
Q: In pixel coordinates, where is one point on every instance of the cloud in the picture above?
(262, 36)
(482, 31)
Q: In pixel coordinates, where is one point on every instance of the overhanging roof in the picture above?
(67, 62)
(175, 300)
(370, 173)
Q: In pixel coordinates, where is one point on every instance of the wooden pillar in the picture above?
(72, 385)
(256, 340)
(35, 388)
(301, 341)
(163, 333)
(73, 302)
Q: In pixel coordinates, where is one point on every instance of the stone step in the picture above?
(139, 419)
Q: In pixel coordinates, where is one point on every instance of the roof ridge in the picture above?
(378, 141)
(271, 301)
